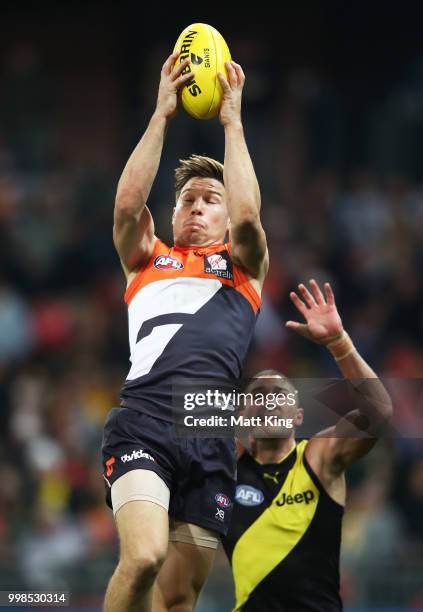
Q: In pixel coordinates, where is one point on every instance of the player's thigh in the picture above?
(140, 503)
(190, 556)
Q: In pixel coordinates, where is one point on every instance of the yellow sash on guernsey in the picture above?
(276, 532)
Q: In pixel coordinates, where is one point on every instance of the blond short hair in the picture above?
(197, 166)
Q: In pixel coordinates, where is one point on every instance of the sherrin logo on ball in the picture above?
(207, 51)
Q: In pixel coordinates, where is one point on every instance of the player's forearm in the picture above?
(373, 399)
(241, 185)
(141, 168)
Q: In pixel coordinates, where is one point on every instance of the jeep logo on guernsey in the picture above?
(298, 498)
(136, 454)
(248, 496)
(166, 262)
(222, 500)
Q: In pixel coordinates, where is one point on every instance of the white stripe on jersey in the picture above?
(177, 295)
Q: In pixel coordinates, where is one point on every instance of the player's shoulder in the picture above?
(132, 273)
(314, 446)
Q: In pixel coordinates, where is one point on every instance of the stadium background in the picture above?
(333, 112)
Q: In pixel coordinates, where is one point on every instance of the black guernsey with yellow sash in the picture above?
(284, 539)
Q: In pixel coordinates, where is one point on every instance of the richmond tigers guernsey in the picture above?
(191, 314)
(284, 540)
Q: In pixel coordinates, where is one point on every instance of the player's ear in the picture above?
(299, 418)
(173, 215)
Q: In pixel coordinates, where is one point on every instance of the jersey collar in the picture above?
(200, 250)
(281, 461)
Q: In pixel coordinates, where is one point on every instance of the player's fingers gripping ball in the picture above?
(207, 51)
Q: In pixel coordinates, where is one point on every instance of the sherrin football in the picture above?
(207, 51)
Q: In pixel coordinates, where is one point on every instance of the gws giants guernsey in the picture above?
(191, 314)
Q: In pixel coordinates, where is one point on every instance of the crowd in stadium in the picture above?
(63, 334)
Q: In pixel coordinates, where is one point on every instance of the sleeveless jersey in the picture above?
(284, 540)
(191, 315)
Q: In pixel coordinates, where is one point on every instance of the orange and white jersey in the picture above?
(191, 314)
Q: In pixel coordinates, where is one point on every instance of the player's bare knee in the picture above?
(140, 575)
(184, 600)
(185, 605)
(141, 568)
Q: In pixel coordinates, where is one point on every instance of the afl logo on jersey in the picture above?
(222, 500)
(248, 496)
(166, 262)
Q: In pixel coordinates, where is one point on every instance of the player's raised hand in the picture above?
(230, 108)
(323, 323)
(170, 82)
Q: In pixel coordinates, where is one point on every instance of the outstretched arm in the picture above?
(133, 230)
(242, 190)
(345, 443)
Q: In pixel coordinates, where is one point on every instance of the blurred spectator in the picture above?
(15, 326)
(69, 113)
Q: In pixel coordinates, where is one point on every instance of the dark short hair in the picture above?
(285, 382)
(197, 166)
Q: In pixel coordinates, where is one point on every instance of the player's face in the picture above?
(200, 216)
(273, 399)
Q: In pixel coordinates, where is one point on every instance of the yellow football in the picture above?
(207, 51)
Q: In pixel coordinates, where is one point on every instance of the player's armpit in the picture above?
(249, 248)
(133, 237)
(338, 454)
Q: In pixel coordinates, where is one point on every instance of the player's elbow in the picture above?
(387, 408)
(374, 403)
(383, 403)
(379, 419)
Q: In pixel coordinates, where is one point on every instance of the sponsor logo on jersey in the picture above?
(218, 264)
(220, 514)
(109, 466)
(136, 454)
(222, 500)
(298, 498)
(248, 496)
(273, 477)
(166, 262)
